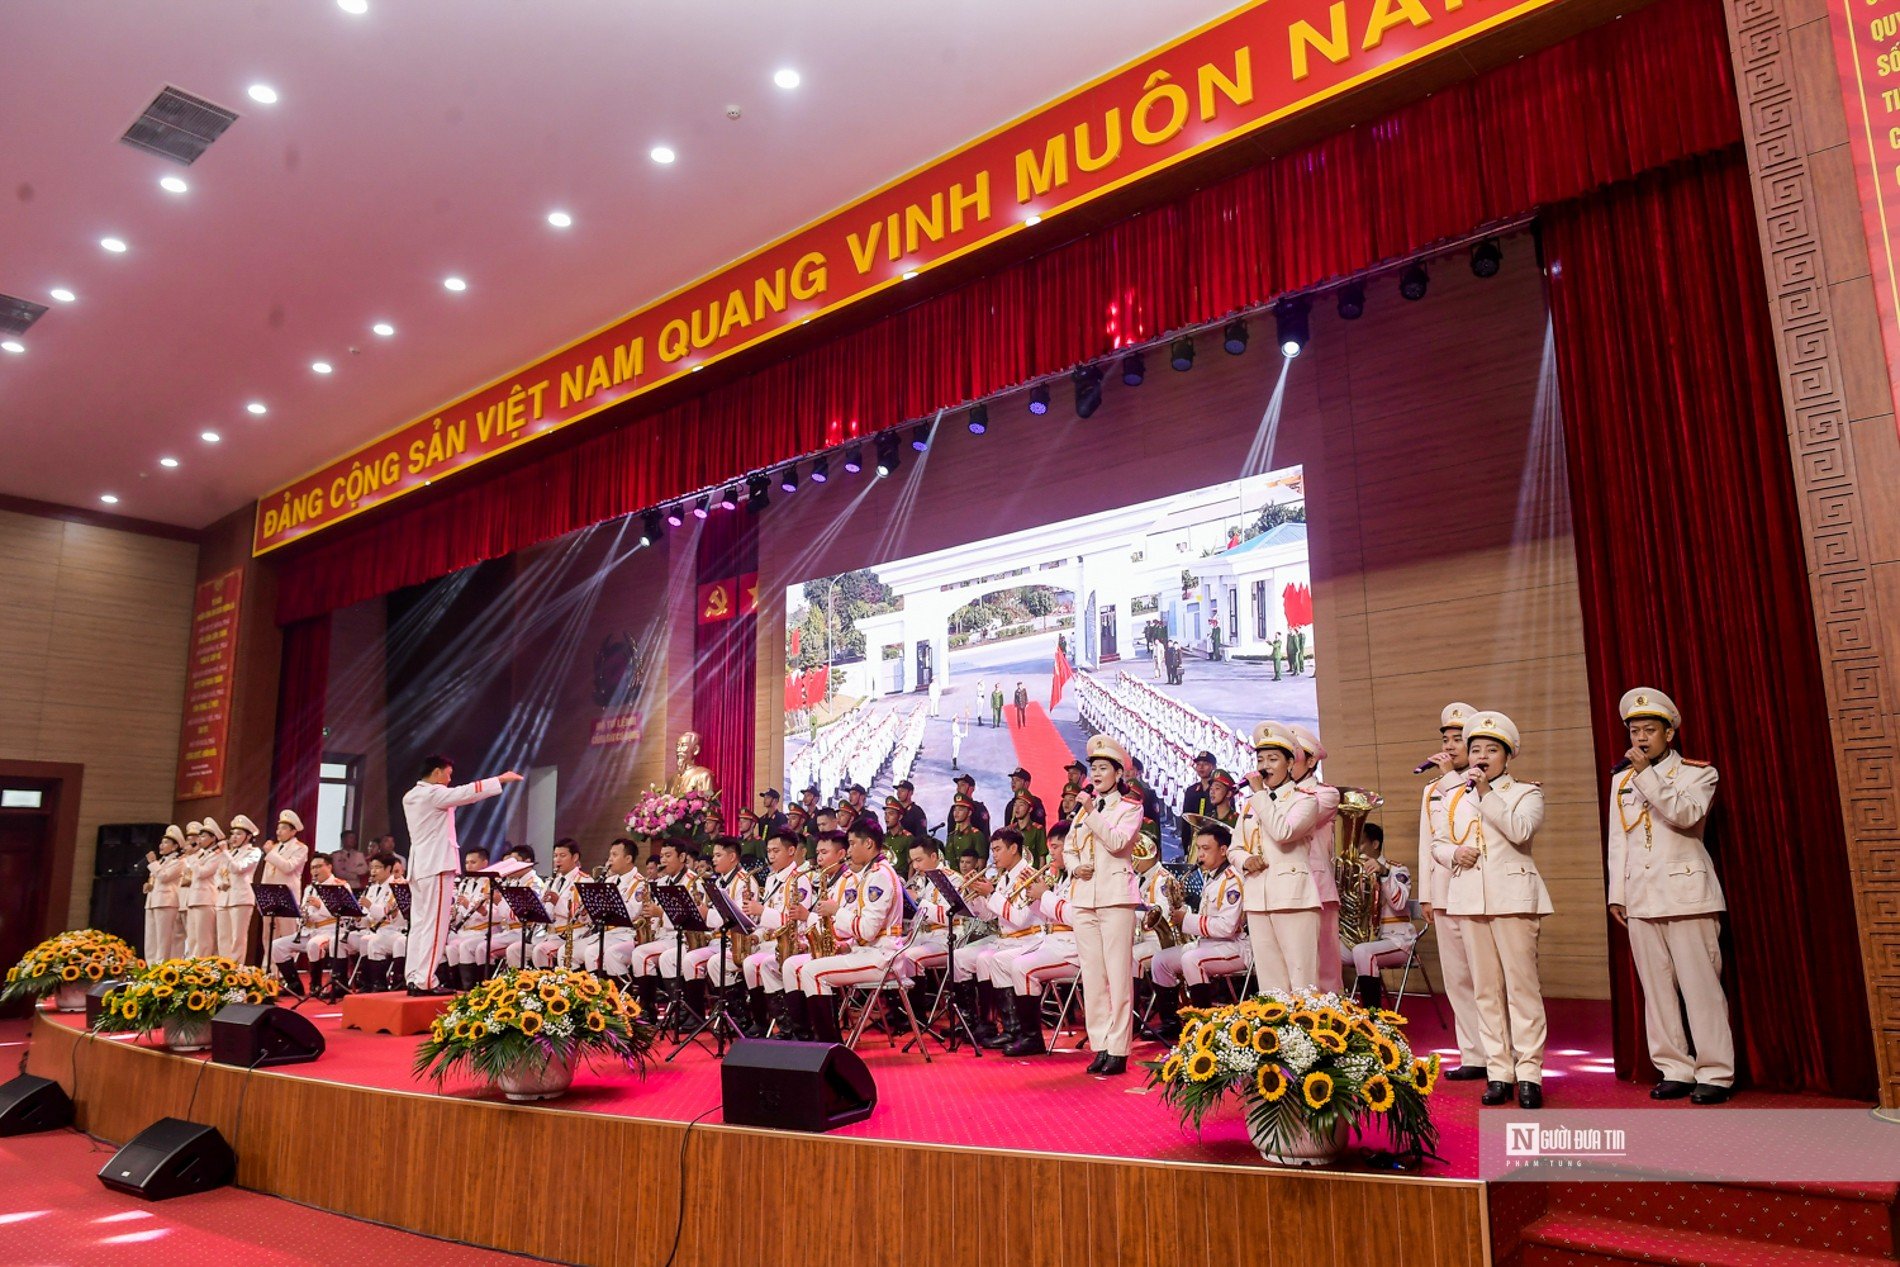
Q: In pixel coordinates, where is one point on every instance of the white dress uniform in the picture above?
(705, 962)
(1220, 947)
(615, 950)
(1454, 959)
(788, 972)
(163, 933)
(1501, 903)
(1283, 900)
(1320, 859)
(284, 864)
(434, 857)
(1018, 926)
(236, 902)
(199, 885)
(381, 936)
(661, 955)
(784, 889)
(489, 929)
(1660, 873)
(1393, 946)
(1155, 883)
(564, 904)
(870, 920)
(315, 933)
(1056, 958)
(930, 946)
(1102, 908)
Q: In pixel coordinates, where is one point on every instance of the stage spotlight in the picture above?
(1181, 354)
(673, 516)
(788, 479)
(757, 496)
(854, 459)
(729, 499)
(1234, 337)
(1134, 369)
(650, 527)
(821, 470)
(1352, 302)
(1088, 390)
(920, 437)
(1290, 323)
(980, 419)
(1487, 257)
(1412, 282)
(699, 507)
(1039, 399)
(887, 454)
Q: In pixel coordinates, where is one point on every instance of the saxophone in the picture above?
(743, 944)
(696, 887)
(786, 939)
(823, 938)
(1159, 922)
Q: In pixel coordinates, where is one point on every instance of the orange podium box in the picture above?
(393, 1013)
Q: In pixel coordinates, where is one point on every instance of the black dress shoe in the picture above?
(428, 992)
(1709, 1093)
(1667, 1090)
(1464, 1073)
(1113, 1065)
(1495, 1093)
(1095, 1065)
(1530, 1095)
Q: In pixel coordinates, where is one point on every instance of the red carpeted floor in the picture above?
(1041, 751)
(54, 1211)
(1045, 1104)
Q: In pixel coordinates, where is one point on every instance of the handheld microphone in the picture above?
(1622, 764)
(1423, 766)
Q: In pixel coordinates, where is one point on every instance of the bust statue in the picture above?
(690, 776)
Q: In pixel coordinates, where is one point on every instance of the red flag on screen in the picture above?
(1062, 675)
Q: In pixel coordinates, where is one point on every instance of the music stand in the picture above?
(506, 869)
(341, 903)
(718, 1018)
(676, 901)
(954, 907)
(274, 901)
(527, 908)
(605, 909)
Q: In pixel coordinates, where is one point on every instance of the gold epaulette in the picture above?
(1700, 765)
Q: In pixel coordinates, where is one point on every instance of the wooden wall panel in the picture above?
(94, 626)
(1438, 508)
(596, 1189)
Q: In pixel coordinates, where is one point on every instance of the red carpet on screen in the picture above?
(1041, 751)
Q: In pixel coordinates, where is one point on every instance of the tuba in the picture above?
(1358, 891)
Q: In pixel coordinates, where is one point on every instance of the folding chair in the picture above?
(1421, 928)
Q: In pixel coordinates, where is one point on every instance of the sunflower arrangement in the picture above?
(70, 959)
(524, 1019)
(175, 991)
(1301, 1060)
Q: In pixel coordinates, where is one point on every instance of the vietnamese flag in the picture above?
(1062, 675)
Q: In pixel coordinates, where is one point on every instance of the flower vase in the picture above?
(70, 997)
(1300, 1146)
(188, 1033)
(550, 1081)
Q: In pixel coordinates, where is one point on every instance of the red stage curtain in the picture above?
(301, 694)
(1693, 581)
(725, 660)
(1614, 102)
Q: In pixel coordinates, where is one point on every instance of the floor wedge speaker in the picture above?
(171, 1158)
(258, 1036)
(29, 1104)
(795, 1086)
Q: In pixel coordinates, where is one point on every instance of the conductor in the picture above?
(429, 807)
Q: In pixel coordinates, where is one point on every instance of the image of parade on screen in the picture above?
(1175, 624)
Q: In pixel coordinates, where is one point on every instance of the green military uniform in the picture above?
(966, 834)
(996, 705)
(1274, 655)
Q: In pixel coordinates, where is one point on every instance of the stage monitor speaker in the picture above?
(171, 1158)
(259, 1035)
(29, 1104)
(96, 1000)
(795, 1086)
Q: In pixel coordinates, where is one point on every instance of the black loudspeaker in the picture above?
(795, 1086)
(122, 848)
(171, 1158)
(118, 907)
(96, 1000)
(259, 1035)
(29, 1104)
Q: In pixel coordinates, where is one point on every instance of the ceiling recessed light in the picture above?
(786, 78)
(168, 463)
(455, 283)
(358, 7)
(383, 328)
(263, 94)
(210, 437)
(661, 154)
(13, 346)
(172, 184)
(115, 245)
(108, 499)
(1033, 220)
(62, 294)
(321, 367)
(560, 219)
(909, 273)
(257, 407)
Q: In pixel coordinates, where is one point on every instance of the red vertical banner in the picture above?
(1867, 55)
(204, 738)
(749, 594)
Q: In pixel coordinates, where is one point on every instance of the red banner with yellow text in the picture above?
(203, 742)
(1867, 54)
(1238, 73)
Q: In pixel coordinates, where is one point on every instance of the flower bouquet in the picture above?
(181, 996)
(66, 965)
(524, 1031)
(1308, 1067)
(660, 814)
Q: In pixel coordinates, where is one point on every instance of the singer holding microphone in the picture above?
(1447, 770)
(429, 808)
(1104, 893)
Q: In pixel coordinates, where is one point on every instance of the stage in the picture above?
(962, 1122)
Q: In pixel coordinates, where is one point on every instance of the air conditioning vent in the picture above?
(178, 126)
(18, 315)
